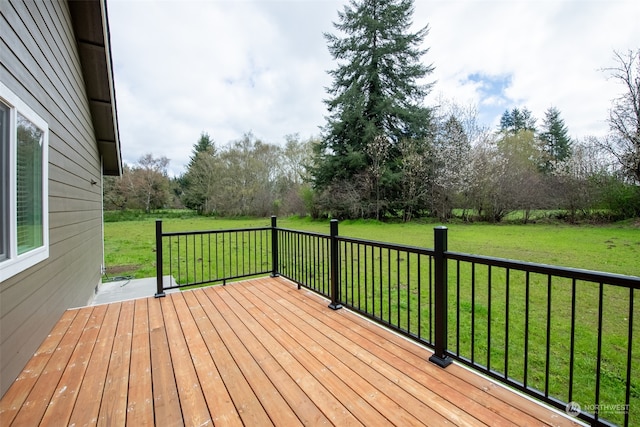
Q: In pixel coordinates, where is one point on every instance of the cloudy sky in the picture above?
(228, 67)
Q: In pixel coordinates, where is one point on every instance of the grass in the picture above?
(614, 248)
(130, 244)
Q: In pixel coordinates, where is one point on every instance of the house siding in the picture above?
(39, 62)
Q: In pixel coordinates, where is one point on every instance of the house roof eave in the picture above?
(91, 29)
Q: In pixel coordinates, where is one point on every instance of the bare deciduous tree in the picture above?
(378, 152)
(416, 169)
(624, 116)
(575, 180)
(151, 181)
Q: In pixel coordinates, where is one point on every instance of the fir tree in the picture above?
(376, 93)
(193, 185)
(205, 144)
(556, 143)
(516, 120)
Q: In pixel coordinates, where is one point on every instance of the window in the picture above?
(24, 228)
(4, 182)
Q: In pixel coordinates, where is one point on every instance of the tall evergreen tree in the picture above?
(556, 143)
(196, 181)
(376, 92)
(205, 144)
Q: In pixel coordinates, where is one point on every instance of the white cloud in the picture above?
(229, 67)
(553, 50)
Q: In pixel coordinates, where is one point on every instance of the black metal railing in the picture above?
(392, 284)
(565, 336)
(196, 258)
(304, 258)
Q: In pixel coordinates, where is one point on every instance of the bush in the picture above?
(139, 214)
(623, 200)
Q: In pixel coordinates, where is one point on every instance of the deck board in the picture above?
(194, 407)
(140, 398)
(87, 405)
(43, 391)
(216, 394)
(450, 402)
(166, 402)
(113, 407)
(64, 397)
(13, 400)
(244, 398)
(358, 379)
(258, 352)
(251, 351)
(361, 362)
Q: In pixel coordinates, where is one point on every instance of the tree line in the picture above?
(383, 154)
(247, 177)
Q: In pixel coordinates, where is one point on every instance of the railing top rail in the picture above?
(308, 233)
(387, 245)
(226, 230)
(567, 272)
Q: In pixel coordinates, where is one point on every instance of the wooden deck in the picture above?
(253, 353)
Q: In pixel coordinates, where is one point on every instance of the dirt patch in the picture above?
(117, 269)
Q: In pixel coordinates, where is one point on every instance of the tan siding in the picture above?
(72, 219)
(73, 176)
(40, 64)
(72, 234)
(39, 302)
(63, 156)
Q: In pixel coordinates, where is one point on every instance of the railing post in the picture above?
(274, 246)
(333, 247)
(439, 356)
(159, 285)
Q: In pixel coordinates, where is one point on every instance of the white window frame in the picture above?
(15, 263)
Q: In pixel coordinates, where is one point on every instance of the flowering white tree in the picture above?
(451, 154)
